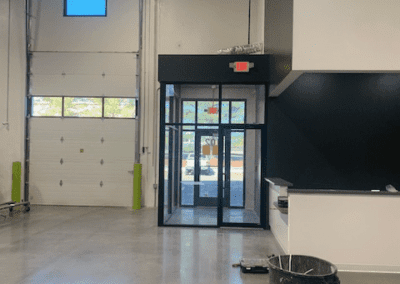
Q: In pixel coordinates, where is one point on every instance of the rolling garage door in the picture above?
(77, 160)
(82, 161)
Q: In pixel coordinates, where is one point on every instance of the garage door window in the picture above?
(46, 106)
(119, 108)
(82, 107)
(89, 107)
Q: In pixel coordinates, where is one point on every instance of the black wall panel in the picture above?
(200, 69)
(336, 131)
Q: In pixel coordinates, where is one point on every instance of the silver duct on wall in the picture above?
(243, 49)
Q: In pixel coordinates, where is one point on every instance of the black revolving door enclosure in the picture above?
(212, 128)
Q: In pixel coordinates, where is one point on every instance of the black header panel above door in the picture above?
(198, 69)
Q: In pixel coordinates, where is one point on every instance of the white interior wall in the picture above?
(11, 137)
(278, 26)
(278, 221)
(202, 27)
(355, 232)
(257, 19)
(346, 35)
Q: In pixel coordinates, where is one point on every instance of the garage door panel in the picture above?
(90, 151)
(108, 129)
(81, 173)
(88, 85)
(47, 63)
(70, 196)
(82, 168)
(46, 171)
(84, 178)
(90, 154)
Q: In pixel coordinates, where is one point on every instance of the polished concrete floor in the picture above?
(208, 216)
(54, 244)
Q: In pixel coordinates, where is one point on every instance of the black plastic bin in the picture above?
(304, 270)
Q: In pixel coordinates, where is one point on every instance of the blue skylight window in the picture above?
(85, 8)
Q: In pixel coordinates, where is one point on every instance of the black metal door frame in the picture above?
(227, 135)
(215, 70)
(222, 130)
(227, 161)
(263, 208)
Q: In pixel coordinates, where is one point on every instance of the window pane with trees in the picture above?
(46, 106)
(119, 107)
(82, 107)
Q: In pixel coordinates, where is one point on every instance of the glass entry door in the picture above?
(242, 177)
(233, 168)
(203, 166)
(206, 168)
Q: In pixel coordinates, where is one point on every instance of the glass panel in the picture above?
(243, 177)
(188, 141)
(119, 107)
(172, 104)
(167, 203)
(171, 101)
(82, 107)
(170, 90)
(46, 106)
(206, 192)
(85, 8)
(189, 127)
(254, 98)
(237, 169)
(189, 112)
(171, 172)
(260, 106)
(238, 112)
(167, 110)
(207, 127)
(207, 112)
(209, 166)
(225, 112)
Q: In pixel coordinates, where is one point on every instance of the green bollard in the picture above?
(16, 182)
